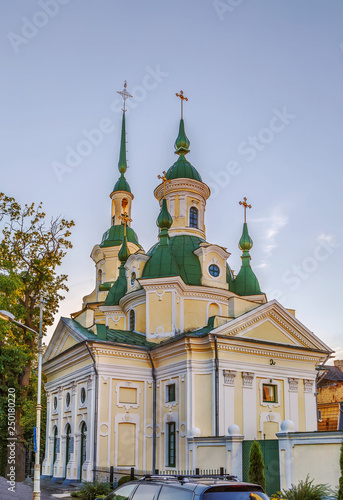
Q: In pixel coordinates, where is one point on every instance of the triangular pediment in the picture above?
(67, 334)
(269, 330)
(272, 323)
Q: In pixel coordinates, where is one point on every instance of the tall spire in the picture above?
(182, 142)
(122, 184)
(246, 282)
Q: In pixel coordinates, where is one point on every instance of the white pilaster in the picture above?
(293, 402)
(249, 405)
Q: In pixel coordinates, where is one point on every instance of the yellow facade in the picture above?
(166, 365)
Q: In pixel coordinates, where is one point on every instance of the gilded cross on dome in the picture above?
(183, 98)
(125, 95)
(164, 180)
(125, 218)
(245, 205)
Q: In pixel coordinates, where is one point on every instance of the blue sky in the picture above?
(264, 81)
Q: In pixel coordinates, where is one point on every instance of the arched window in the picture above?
(132, 319)
(83, 454)
(99, 277)
(193, 217)
(68, 443)
(54, 456)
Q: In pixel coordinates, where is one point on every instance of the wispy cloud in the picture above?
(271, 227)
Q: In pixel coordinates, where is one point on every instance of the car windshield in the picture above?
(224, 492)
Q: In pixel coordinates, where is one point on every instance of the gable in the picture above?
(270, 332)
(69, 341)
(271, 322)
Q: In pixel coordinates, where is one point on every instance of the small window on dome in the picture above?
(193, 217)
(132, 320)
(133, 278)
(214, 270)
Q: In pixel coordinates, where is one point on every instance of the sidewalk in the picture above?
(24, 491)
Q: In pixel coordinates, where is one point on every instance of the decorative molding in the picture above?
(229, 377)
(293, 384)
(248, 378)
(308, 385)
(263, 352)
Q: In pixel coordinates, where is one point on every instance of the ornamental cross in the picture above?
(125, 218)
(164, 180)
(125, 95)
(183, 98)
(245, 205)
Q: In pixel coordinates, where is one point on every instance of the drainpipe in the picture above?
(216, 386)
(153, 414)
(96, 408)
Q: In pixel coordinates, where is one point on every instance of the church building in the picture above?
(173, 360)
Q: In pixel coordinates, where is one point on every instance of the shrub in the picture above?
(256, 467)
(90, 491)
(306, 490)
(125, 479)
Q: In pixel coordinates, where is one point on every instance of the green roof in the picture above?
(180, 260)
(183, 169)
(107, 334)
(115, 234)
(118, 289)
(122, 185)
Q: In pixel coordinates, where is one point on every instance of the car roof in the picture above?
(199, 484)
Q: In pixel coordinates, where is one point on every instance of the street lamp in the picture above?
(7, 316)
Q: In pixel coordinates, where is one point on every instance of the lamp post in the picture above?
(7, 316)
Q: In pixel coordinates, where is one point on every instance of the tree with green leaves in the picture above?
(256, 466)
(31, 250)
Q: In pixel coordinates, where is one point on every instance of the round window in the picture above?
(55, 403)
(67, 399)
(83, 395)
(133, 278)
(213, 270)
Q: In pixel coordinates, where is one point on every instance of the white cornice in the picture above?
(180, 185)
(206, 248)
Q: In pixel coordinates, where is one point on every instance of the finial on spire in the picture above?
(183, 98)
(125, 218)
(245, 205)
(164, 180)
(125, 95)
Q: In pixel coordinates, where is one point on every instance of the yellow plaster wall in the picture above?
(268, 331)
(70, 341)
(140, 318)
(203, 403)
(63, 373)
(308, 459)
(237, 306)
(194, 313)
(103, 447)
(213, 310)
(86, 318)
(117, 325)
(126, 444)
(104, 400)
(211, 457)
(160, 312)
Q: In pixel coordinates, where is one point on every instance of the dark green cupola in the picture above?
(246, 282)
(162, 262)
(182, 168)
(119, 287)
